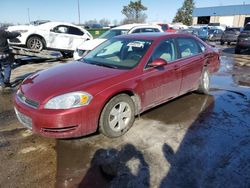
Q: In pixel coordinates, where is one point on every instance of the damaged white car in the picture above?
(51, 35)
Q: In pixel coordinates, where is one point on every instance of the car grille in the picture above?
(60, 130)
(27, 101)
(15, 40)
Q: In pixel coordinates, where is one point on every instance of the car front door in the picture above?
(161, 83)
(192, 60)
(65, 37)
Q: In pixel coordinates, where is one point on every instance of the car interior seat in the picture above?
(185, 50)
(164, 51)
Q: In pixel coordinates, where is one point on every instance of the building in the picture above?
(232, 16)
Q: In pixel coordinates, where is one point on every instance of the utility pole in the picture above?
(79, 15)
(29, 15)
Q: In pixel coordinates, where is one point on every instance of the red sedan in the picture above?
(116, 81)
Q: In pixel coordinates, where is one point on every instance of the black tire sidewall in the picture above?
(104, 127)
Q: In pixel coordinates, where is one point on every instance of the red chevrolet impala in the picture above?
(116, 81)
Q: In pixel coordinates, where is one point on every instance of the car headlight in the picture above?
(69, 100)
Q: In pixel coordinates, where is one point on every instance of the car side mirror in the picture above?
(159, 62)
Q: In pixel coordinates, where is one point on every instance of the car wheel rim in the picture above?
(120, 116)
(36, 44)
(206, 80)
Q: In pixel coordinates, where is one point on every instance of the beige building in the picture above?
(231, 16)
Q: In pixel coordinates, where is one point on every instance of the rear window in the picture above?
(146, 30)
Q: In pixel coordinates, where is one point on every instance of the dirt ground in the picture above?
(193, 141)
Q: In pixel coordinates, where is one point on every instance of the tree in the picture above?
(90, 22)
(184, 14)
(134, 12)
(104, 22)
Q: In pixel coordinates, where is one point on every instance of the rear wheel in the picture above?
(204, 85)
(222, 42)
(35, 43)
(117, 116)
(228, 43)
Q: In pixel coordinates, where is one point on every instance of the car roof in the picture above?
(130, 26)
(153, 35)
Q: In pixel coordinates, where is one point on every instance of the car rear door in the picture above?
(191, 65)
(161, 83)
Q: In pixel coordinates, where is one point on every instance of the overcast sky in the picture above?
(16, 11)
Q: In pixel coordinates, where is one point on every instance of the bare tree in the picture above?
(104, 22)
(134, 12)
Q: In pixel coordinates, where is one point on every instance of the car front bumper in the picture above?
(57, 123)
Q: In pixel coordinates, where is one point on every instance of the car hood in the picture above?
(91, 44)
(20, 27)
(75, 76)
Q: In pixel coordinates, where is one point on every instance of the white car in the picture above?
(120, 30)
(51, 35)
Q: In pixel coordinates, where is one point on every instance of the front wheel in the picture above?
(117, 116)
(204, 85)
(35, 43)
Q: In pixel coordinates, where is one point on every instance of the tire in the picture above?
(204, 85)
(36, 43)
(222, 42)
(117, 116)
(237, 50)
(228, 43)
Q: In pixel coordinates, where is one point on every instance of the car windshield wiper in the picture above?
(104, 65)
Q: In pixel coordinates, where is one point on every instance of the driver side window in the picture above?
(165, 50)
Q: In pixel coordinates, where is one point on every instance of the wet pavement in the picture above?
(192, 141)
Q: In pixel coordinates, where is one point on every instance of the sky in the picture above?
(20, 11)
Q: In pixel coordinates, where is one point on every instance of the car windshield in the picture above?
(118, 53)
(112, 33)
(247, 27)
(39, 22)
